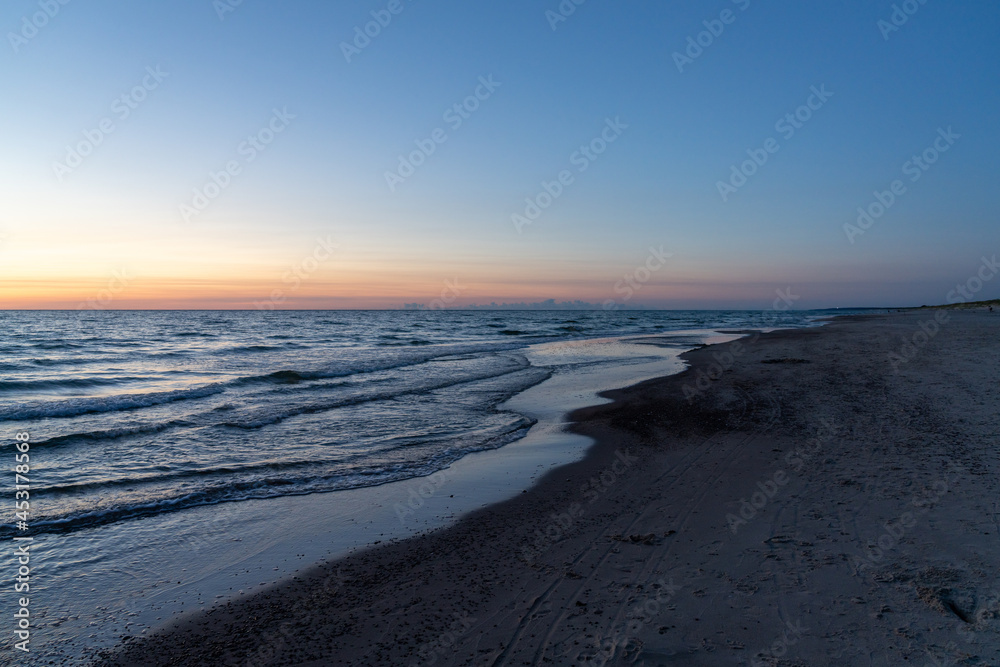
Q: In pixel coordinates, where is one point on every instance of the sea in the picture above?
(143, 419)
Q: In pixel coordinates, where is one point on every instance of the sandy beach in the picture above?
(822, 496)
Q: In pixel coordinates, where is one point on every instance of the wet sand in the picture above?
(824, 496)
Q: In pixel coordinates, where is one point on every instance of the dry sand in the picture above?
(815, 504)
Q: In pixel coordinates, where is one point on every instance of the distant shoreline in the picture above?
(971, 305)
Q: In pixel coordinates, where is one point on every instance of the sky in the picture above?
(371, 154)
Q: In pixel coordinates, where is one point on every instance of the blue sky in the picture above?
(324, 175)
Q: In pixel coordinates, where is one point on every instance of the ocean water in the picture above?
(144, 416)
(138, 413)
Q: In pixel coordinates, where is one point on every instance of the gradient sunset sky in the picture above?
(111, 229)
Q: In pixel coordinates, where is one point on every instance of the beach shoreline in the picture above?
(150, 571)
(710, 523)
